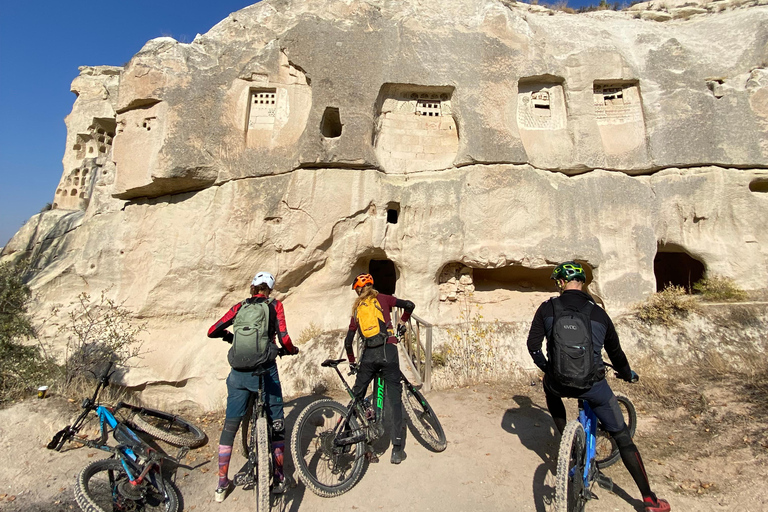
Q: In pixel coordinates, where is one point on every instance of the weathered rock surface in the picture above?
(310, 138)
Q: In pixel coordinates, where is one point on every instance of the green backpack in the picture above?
(251, 346)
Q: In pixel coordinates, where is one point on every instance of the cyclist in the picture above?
(242, 381)
(570, 278)
(383, 358)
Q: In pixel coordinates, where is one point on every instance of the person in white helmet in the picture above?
(266, 315)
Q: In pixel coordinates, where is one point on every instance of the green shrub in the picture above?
(24, 362)
(721, 289)
(667, 306)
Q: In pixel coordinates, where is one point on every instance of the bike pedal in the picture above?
(182, 453)
(604, 482)
(243, 480)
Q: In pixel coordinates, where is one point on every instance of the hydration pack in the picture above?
(370, 323)
(251, 346)
(570, 350)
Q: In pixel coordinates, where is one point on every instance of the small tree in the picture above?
(98, 332)
(24, 364)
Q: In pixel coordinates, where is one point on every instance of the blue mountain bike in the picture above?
(131, 479)
(585, 449)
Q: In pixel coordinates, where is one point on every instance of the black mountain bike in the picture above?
(131, 479)
(330, 441)
(258, 471)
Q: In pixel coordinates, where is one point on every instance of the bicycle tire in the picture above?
(325, 469)
(606, 450)
(423, 418)
(571, 459)
(103, 486)
(261, 443)
(168, 427)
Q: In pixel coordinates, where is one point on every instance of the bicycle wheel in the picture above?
(168, 427)
(569, 483)
(325, 468)
(606, 451)
(263, 456)
(422, 418)
(103, 486)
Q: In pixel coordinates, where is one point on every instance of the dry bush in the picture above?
(666, 307)
(471, 354)
(97, 332)
(309, 332)
(719, 289)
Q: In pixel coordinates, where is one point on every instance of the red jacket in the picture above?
(277, 325)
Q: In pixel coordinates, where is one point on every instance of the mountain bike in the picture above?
(332, 443)
(257, 472)
(585, 449)
(131, 478)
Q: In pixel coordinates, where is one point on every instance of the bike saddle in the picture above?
(333, 363)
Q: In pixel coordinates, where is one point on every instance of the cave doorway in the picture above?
(674, 266)
(384, 275)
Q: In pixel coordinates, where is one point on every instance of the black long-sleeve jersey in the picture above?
(603, 332)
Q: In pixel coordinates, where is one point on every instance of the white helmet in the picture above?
(264, 278)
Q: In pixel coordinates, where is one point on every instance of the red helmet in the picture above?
(362, 280)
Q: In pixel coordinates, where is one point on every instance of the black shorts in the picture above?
(600, 398)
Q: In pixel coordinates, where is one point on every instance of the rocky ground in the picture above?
(705, 449)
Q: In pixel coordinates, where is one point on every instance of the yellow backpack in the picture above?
(370, 323)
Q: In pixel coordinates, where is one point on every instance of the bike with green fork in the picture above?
(332, 444)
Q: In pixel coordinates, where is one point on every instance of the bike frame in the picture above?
(588, 420)
(129, 449)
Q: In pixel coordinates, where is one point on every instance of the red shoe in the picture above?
(653, 504)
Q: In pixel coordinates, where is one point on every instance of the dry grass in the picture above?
(719, 289)
(715, 403)
(667, 307)
(309, 332)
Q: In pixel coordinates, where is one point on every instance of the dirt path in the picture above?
(499, 458)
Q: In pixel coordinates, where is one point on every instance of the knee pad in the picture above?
(230, 429)
(624, 440)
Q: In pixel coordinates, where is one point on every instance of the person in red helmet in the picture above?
(372, 318)
(586, 380)
(261, 314)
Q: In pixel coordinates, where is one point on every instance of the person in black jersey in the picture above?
(570, 279)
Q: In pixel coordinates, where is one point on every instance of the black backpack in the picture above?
(570, 350)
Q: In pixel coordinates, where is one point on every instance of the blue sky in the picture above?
(42, 43)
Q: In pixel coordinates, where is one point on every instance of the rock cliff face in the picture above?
(454, 149)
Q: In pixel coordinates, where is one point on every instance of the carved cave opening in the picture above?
(384, 275)
(673, 266)
(330, 126)
(759, 185)
(393, 213)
